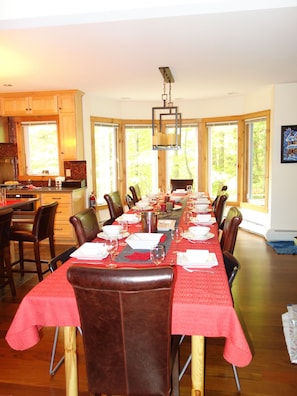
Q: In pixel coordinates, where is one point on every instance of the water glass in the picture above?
(157, 254)
(177, 236)
(112, 245)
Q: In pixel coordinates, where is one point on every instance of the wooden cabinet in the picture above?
(70, 126)
(69, 203)
(34, 104)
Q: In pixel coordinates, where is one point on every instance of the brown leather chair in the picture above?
(219, 207)
(230, 229)
(180, 183)
(136, 195)
(125, 316)
(114, 204)
(129, 201)
(41, 228)
(222, 189)
(85, 224)
(6, 275)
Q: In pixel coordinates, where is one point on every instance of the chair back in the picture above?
(219, 207)
(136, 194)
(222, 189)
(85, 225)
(230, 229)
(60, 259)
(44, 220)
(114, 204)
(129, 201)
(180, 183)
(125, 316)
(5, 222)
(231, 266)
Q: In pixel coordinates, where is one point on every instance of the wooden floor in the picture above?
(265, 284)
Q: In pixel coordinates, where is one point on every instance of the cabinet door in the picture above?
(66, 103)
(43, 104)
(67, 129)
(15, 106)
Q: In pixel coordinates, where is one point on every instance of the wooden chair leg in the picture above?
(52, 246)
(37, 260)
(21, 254)
(8, 270)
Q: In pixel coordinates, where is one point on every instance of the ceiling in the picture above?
(214, 48)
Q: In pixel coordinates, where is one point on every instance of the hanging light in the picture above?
(166, 120)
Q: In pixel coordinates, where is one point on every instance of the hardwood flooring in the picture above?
(265, 284)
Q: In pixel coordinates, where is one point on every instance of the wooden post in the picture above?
(197, 368)
(70, 361)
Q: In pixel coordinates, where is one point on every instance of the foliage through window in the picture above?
(41, 147)
(105, 138)
(183, 163)
(223, 158)
(141, 160)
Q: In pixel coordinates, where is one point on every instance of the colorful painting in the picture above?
(289, 143)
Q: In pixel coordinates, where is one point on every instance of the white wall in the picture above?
(281, 221)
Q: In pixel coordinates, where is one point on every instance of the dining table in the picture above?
(202, 302)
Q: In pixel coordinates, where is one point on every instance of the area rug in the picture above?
(283, 247)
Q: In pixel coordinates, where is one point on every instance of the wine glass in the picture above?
(177, 236)
(112, 245)
(124, 233)
(157, 254)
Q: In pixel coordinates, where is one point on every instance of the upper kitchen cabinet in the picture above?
(70, 125)
(37, 103)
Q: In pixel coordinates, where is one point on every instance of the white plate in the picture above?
(191, 237)
(194, 220)
(102, 235)
(184, 262)
(195, 210)
(166, 225)
(141, 209)
(177, 207)
(90, 251)
(129, 218)
(143, 240)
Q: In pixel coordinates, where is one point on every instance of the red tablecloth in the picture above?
(202, 305)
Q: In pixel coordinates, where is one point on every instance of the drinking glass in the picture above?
(177, 236)
(124, 232)
(189, 189)
(187, 216)
(112, 245)
(157, 254)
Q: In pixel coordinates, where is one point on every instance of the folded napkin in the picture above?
(197, 255)
(139, 256)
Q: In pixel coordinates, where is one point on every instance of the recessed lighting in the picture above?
(7, 85)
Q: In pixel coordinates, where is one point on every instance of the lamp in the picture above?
(166, 120)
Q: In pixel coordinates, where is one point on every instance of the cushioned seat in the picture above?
(136, 194)
(230, 229)
(42, 228)
(114, 204)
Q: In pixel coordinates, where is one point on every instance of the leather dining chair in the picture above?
(40, 229)
(85, 224)
(53, 266)
(125, 316)
(136, 194)
(219, 207)
(180, 183)
(230, 229)
(220, 191)
(114, 204)
(232, 266)
(129, 201)
(6, 275)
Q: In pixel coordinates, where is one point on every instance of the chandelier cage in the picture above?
(166, 119)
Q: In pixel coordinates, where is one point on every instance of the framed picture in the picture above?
(289, 143)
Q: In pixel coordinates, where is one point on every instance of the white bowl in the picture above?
(112, 230)
(175, 198)
(143, 204)
(143, 240)
(202, 207)
(199, 230)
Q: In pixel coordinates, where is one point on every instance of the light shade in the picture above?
(166, 120)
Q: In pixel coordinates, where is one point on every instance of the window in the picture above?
(105, 153)
(41, 147)
(256, 161)
(141, 160)
(183, 163)
(223, 158)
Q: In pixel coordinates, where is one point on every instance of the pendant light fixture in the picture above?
(166, 120)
